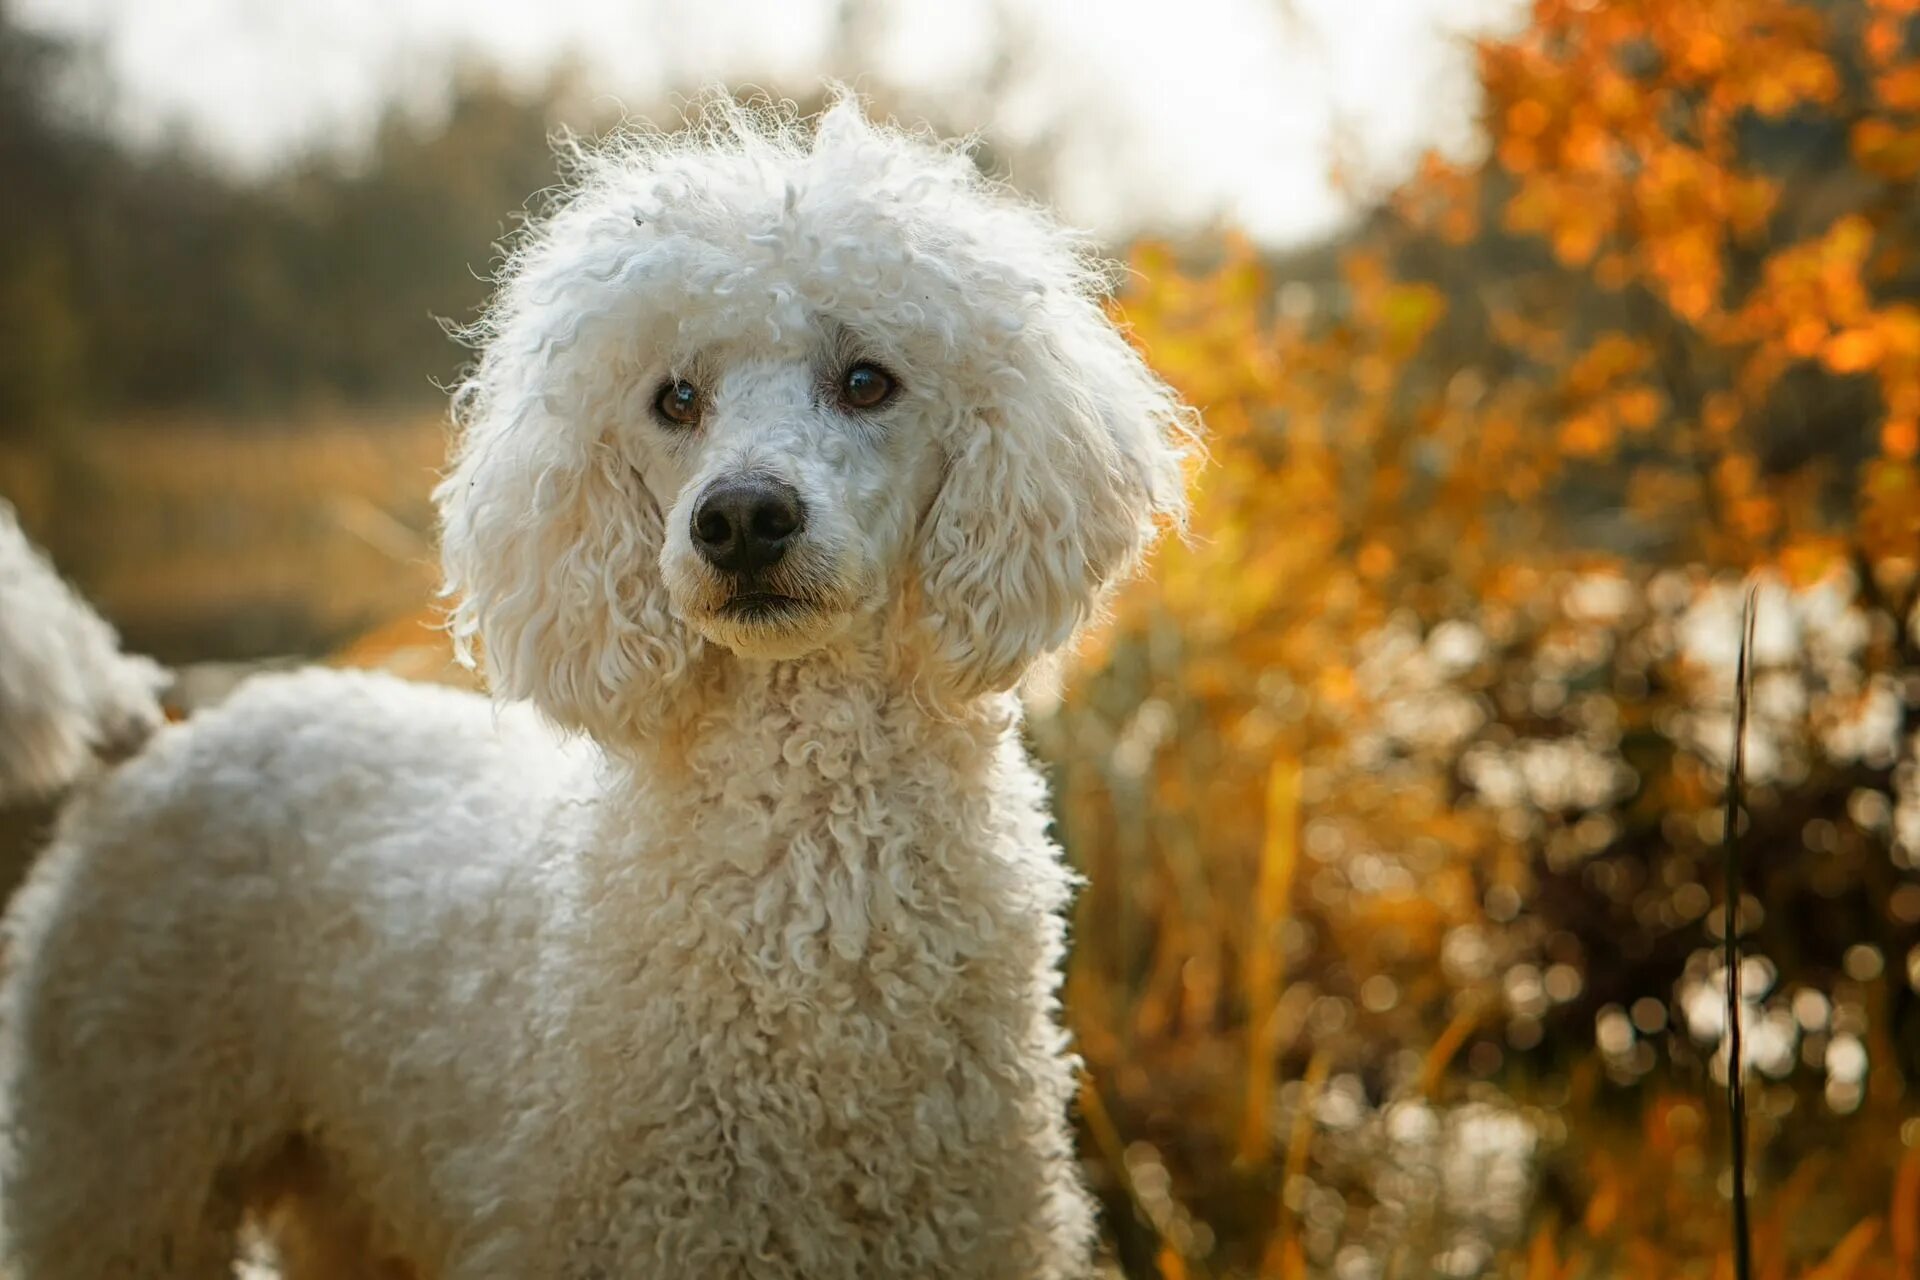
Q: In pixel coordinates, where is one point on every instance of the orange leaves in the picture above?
(1710, 320)
(1890, 508)
(1201, 328)
(1443, 198)
(1767, 56)
(1810, 290)
(1399, 313)
(1613, 356)
(1606, 396)
(1852, 351)
(1623, 138)
(1882, 40)
(1688, 206)
(1807, 561)
(1566, 144)
(1887, 149)
(1886, 344)
(1750, 512)
(1375, 560)
(1687, 267)
(1407, 313)
(1782, 75)
(1720, 413)
(1638, 408)
(1528, 118)
(1890, 148)
(1617, 123)
(1898, 89)
(1574, 215)
(1749, 202)
(1586, 435)
(1900, 439)
(1899, 329)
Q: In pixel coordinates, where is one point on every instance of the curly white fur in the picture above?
(67, 693)
(754, 974)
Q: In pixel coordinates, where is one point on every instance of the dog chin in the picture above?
(770, 628)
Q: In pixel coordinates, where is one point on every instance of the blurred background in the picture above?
(1525, 335)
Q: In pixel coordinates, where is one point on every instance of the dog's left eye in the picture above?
(678, 403)
(866, 386)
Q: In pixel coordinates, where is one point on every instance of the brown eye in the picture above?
(866, 386)
(678, 403)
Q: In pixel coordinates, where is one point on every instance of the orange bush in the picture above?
(1399, 784)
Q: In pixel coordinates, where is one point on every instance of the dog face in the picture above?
(791, 475)
(756, 391)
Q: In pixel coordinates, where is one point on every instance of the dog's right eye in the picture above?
(678, 403)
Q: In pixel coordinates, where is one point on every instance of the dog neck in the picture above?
(781, 731)
(820, 856)
(830, 757)
(830, 815)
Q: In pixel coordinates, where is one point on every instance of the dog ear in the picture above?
(1054, 488)
(551, 543)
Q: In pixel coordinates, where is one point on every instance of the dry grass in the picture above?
(224, 539)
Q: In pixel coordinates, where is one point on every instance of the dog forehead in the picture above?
(893, 194)
(775, 243)
(787, 374)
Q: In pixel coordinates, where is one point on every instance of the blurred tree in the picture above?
(1407, 767)
(146, 279)
(136, 279)
(40, 162)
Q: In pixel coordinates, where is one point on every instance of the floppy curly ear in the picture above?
(551, 546)
(1054, 488)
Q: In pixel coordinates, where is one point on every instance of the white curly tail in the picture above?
(68, 696)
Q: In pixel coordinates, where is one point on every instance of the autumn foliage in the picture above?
(1398, 784)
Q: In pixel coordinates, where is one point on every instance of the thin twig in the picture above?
(1730, 841)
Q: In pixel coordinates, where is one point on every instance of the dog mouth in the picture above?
(768, 614)
(763, 606)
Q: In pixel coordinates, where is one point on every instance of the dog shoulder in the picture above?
(342, 712)
(317, 732)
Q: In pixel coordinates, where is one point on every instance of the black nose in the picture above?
(745, 524)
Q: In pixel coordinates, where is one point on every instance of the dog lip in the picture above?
(761, 604)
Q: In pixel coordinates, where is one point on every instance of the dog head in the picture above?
(758, 389)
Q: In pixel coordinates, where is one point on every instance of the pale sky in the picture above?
(1162, 114)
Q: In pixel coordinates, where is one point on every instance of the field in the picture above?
(236, 541)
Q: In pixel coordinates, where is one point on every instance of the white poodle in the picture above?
(788, 453)
(67, 693)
